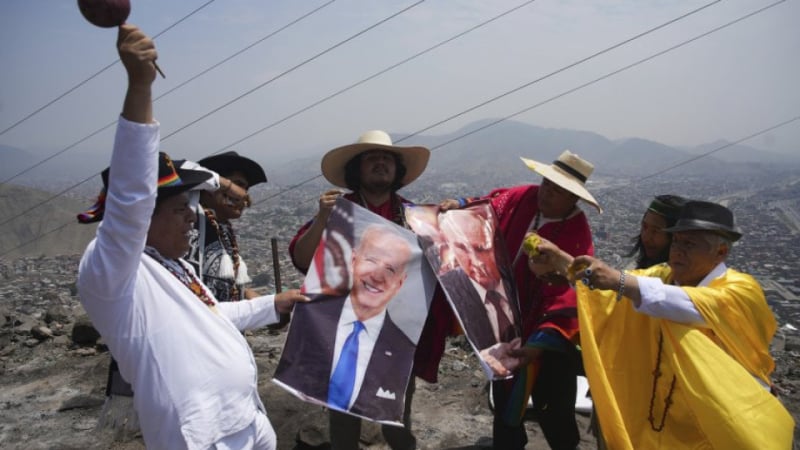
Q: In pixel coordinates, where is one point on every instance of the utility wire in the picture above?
(110, 124)
(608, 75)
(562, 69)
(91, 77)
(517, 89)
(674, 166)
(225, 60)
(292, 69)
(710, 152)
(218, 108)
(373, 76)
(596, 80)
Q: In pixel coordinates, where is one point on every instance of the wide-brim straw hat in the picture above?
(333, 163)
(569, 171)
(229, 162)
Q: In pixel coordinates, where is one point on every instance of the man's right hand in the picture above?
(137, 53)
(449, 203)
(284, 301)
(326, 202)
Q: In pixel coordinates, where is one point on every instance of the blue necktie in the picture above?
(341, 386)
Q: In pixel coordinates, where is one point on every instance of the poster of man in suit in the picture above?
(473, 270)
(352, 347)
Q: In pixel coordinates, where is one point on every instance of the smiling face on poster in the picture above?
(371, 289)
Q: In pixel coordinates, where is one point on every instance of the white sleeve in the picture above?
(250, 314)
(109, 265)
(667, 302)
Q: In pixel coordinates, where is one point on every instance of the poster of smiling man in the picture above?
(474, 271)
(352, 347)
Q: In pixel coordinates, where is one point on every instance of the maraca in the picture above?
(108, 14)
(531, 245)
(105, 13)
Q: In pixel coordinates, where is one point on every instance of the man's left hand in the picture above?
(499, 357)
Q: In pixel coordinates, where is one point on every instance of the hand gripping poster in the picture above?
(467, 255)
(352, 347)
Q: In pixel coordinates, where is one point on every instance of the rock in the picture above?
(84, 333)
(792, 344)
(56, 313)
(41, 333)
(86, 351)
(82, 402)
(33, 342)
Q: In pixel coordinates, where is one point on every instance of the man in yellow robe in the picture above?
(677, 355)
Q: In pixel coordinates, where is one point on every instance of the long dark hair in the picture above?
(352, 172)
(667, 206)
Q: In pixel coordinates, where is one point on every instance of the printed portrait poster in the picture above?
(352, 347)
(467, 254)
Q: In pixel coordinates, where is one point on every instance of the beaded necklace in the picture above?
(228, 240)
(668, 400)
(183, 275)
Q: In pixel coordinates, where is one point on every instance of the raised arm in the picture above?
(137, 53)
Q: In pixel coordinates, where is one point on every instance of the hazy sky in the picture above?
(725, 86)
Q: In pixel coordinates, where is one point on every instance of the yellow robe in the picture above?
(716, 402)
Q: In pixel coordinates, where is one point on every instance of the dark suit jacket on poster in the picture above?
(471, 309)
(307, 359)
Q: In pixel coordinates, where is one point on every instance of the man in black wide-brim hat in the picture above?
(677, 355)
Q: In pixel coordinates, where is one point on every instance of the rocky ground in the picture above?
(52, 381)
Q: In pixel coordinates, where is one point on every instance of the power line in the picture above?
(607, 75)
(292, 69)
(710, 152)
(563, 69)
(374, 75)
(91, 77)
(674, 166)
(517, 89)
(203, 72)
(248, 47)
(596, 80)
(216, 109)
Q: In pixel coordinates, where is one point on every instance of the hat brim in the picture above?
(704, 225)
(227, 163)
(560, 178)
(189, 179)
(333, 163)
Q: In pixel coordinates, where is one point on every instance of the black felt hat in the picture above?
(171, 181)
(706, 216)
(228, 162)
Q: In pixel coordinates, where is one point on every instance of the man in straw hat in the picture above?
(374, 169)
(547, 306)
(677, 355)
(215, 252)
(194, 374)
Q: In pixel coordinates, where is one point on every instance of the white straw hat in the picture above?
(333, 163)
(569, 171)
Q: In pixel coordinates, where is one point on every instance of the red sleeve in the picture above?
(300, 232)
(559, 306)
(430, 346)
